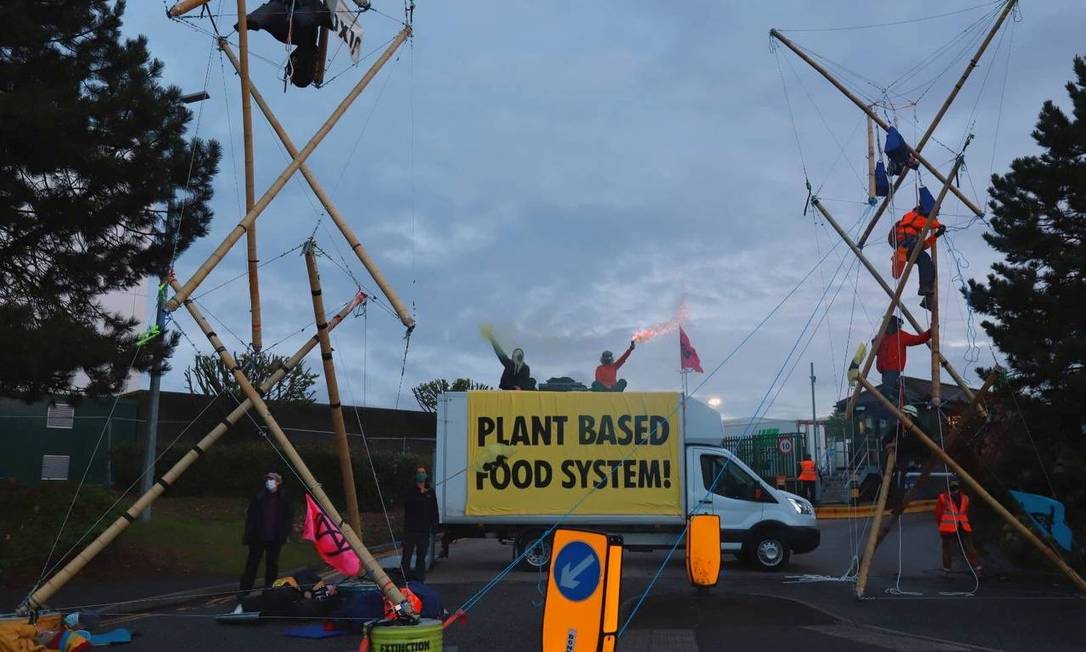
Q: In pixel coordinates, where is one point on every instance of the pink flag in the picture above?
(328, 540)
(688, 357)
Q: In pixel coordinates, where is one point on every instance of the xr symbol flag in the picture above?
(329, 540)
(688, 357)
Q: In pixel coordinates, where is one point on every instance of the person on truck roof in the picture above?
(515, 371)
(607, 373)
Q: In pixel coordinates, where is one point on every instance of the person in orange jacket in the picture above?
(955, 531)
(808, 477)
(607, 373)
(891, 357)
(903, 238)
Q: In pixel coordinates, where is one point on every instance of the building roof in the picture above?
(917, 390)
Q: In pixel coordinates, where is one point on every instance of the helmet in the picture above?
(607, 357)
(911, 411)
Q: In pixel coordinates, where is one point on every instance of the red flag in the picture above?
(328, 540)
(688, 357)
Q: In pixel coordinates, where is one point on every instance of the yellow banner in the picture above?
(595, 453)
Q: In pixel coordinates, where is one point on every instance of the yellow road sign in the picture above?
(581, 610)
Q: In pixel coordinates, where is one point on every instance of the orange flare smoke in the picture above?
(669, 326)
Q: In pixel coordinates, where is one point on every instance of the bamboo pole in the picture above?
(184, 291)
(933, 303)
(343, 449)
(929, 465)
(363, 256)
(939, 115)
(896, 299)
(184, 7)
(311, 484)
(42, 594)
(252, 257)
(880, 507)
(871, 197)
(874, 116)
(322, 57)
(889, 292)
(964, 476)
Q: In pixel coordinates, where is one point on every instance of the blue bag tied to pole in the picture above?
(927, 202)
(882, 182)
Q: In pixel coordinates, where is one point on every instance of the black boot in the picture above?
(924, 303)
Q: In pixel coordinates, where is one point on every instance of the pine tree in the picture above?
(99, 190)
(1036, 299)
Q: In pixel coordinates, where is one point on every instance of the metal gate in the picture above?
(771, 455)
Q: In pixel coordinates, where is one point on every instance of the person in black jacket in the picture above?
(267, 524)
(419, 519)
(515, 372)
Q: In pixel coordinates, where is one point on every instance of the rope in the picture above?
(890, 24)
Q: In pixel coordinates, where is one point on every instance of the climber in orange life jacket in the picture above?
(903, 238)
(955, 531)
(607, 373)
(808, 477)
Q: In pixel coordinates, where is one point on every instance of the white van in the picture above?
(759, 523)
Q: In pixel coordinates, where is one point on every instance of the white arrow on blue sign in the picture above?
(577, 571)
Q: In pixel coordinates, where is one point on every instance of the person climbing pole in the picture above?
(955, 531)
(268, 522)
(903, 238)
(516, 375)
(891, 357)
(420, 518)
(808, 478)
(607, 372)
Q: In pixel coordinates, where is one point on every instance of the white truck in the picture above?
(509, 465)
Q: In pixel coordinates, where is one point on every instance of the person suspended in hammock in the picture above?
(516, 375)
(607, 379)
(903, 237)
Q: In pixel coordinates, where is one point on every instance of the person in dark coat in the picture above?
(268, 523)
(515, 372)
(420, 517)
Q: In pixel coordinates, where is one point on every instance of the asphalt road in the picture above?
(916, 610)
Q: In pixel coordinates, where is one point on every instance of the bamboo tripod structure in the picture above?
(43, 593)
(1007, 9)
(975, 486)
(880, 507)
(896, 299)
(343, 449)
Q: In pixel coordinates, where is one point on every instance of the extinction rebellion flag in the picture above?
(688, 357)
(328, 540)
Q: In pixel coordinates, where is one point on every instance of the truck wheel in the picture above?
(767, 550)
(539, 556)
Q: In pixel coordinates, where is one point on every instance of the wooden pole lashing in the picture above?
(343, 448)
(880, 507)
(874, 116)
(939, 115)
(42, 594)
(363, 256)
(888, 290)
(252, 257)
(896, 299)
(929, 465)
(387, 586)
(184, 291)
(977, 489)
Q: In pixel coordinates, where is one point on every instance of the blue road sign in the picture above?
(577, 571)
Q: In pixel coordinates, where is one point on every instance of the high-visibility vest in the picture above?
(952, 516)
(807, 471)
(910, 225)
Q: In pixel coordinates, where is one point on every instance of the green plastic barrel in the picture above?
(423, 637)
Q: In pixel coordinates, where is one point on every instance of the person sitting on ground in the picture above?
(891, 357)
(515, 372)
(607, 373)
(955, 531)
(903, 238)
(268, 522)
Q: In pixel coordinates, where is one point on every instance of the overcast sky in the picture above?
(569, 172)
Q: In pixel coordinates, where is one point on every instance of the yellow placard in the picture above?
(535, 453)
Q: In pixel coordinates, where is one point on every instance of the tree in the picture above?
(99, 189)
(426, 393)
(1036, 303)
(208, 376)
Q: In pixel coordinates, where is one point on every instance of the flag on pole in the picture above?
(688, 357)
(329, 540)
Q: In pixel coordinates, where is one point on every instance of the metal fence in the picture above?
(771, 455)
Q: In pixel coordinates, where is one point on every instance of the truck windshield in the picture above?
(734, 482)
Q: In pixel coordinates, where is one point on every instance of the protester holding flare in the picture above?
(515, 373)
(607, 372)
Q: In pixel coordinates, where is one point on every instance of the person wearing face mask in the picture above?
(268, 522)
(420, 517)
(515, 373)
